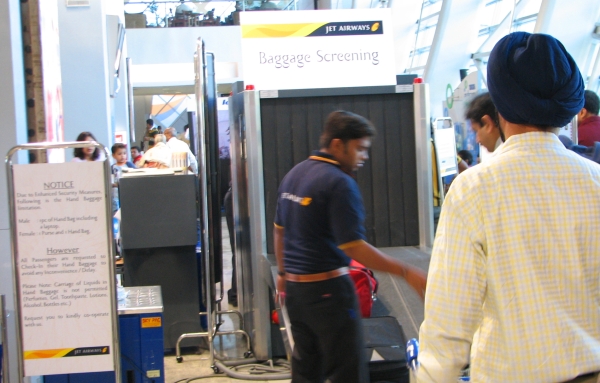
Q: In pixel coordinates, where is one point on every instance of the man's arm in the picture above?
(372, 258)
(278, 234)
(193, 164)
(455, 292)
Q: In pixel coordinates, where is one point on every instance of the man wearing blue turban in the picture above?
(514, 280)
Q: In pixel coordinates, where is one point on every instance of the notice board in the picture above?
(63, 264)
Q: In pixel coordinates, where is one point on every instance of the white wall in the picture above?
(177, 45)
(119, 113)
(14, 131)
(451, 49)
(405, 14)
(165, 57)
(570, 21)
(86, 103)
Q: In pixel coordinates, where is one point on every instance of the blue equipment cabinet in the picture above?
(140, 340)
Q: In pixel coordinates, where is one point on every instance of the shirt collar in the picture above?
(533, 140)
(325, 157)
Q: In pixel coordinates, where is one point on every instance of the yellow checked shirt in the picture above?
(514, 278)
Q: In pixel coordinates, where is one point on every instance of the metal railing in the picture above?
(4, 354)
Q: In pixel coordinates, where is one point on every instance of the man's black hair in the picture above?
(150, 122)
(116, 147)
(136, 148)
(480, 106)
(345, 126)
(466, 156)
(592, 102)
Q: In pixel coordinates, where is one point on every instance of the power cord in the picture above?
(201, 377)
(270, 370)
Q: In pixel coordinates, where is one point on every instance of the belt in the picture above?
(316, 277)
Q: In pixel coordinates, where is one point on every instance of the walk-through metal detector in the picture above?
(271, 131)
(204, 144)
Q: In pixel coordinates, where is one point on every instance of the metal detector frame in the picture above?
(15, 252)
(213, 304)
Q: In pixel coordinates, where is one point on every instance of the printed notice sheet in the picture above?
(63, 267)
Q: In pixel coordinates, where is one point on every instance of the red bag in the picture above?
(366, 287)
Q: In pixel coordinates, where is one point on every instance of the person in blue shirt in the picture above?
(119, 154)
(318, 229)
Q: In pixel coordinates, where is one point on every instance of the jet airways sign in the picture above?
(318, 49)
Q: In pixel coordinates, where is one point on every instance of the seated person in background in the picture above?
(119, 154)
(482, 115)
(466, 156)
(159, 156)
(588, 129)
(136, 154)
(88, 154)
(176, 145)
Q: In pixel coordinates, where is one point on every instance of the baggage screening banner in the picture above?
(318, 49)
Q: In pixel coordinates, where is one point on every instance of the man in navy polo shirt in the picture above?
(318, 228)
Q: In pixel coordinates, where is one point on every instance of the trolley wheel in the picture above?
(215, 369)
(247, 354)
(179, 359)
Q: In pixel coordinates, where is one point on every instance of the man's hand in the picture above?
(372, 258)
(417, 279)
(280, 291)
(278, 234)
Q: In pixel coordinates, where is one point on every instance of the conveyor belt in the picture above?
(395, 297)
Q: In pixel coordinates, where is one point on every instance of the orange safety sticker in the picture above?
(151, 322)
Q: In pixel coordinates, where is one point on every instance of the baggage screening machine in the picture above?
(271, 131)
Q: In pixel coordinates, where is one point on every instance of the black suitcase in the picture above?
(386, 350)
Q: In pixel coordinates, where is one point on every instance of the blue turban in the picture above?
(534, 81)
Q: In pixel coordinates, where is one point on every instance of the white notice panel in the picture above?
(445, 144)
(63, 268)
(318, 49)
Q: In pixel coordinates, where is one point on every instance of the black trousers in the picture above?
(327, 330)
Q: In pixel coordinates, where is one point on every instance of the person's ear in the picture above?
(336, 144)
(582, 114)
(487, 122)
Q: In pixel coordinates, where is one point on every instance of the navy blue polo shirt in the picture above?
(322, 212)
